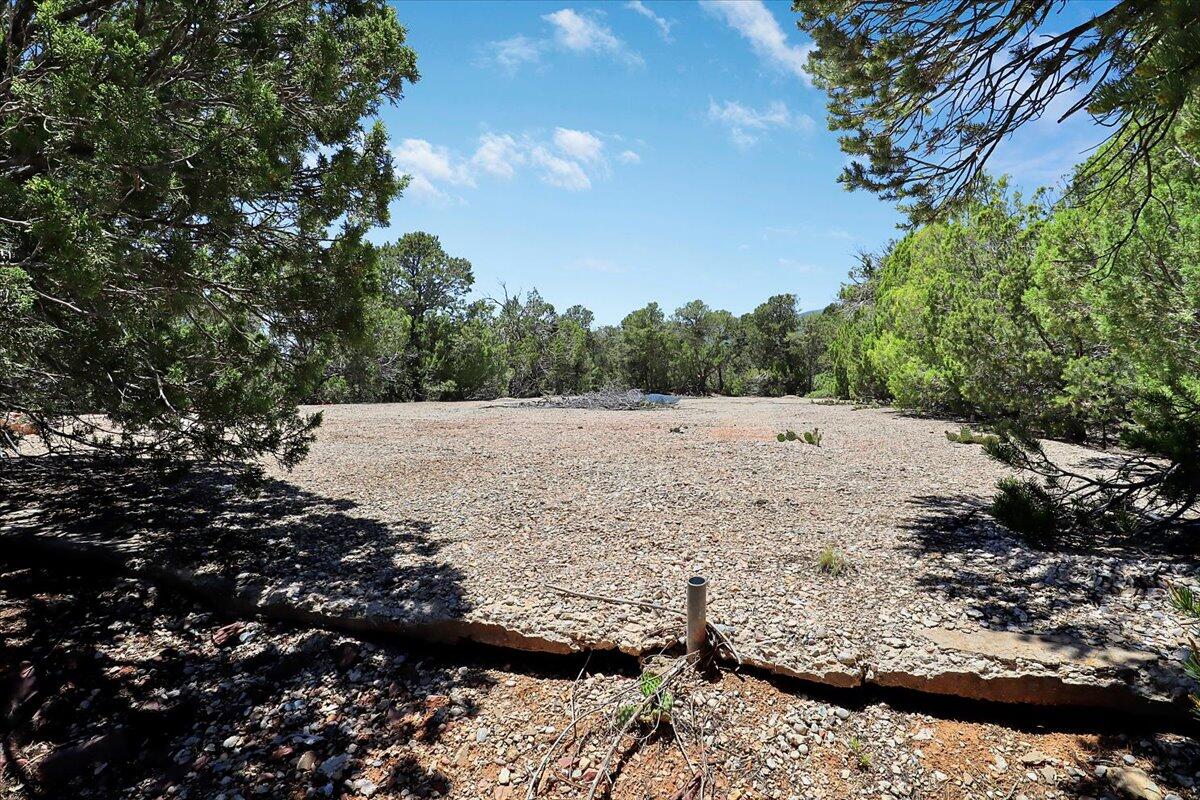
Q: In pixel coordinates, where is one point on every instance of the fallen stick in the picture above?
(619, 600)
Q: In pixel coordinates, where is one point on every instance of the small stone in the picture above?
(334, 766)
(307, 761)
(504, 777)
(481, 734)
(1134, 784)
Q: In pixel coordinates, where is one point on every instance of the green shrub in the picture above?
(824, 386)
(656, 702)
(812, 437)
(967, 436)
(1186, 602)
(832, 562)
(1026, 508)
(861, 756)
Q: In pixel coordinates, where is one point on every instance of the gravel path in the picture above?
(426, 512)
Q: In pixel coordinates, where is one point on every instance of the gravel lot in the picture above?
(467, 511)
(486, 503)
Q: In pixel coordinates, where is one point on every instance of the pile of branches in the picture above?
(604, 399)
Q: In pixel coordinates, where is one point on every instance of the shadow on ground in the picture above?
(109, 685)
(1010, 582)
(112, 689)
(199, 519)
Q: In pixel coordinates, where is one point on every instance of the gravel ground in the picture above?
(436, 511)
(504, 499)
(113, 689)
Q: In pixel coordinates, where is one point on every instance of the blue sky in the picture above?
(615, 153)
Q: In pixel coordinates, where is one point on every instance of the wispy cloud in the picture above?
(513, 53)
(664, 25)
(755, 22)
(558, 171)
(745, 123)
(569, 159)
(570, 31)
(499, 155)
(430, 166)
(579, 145)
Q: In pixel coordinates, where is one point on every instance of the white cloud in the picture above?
(421, 188)
(419, 157)
(430, 166)
(576, 32)
(510, 54)
(582, 34)
(561, 172)
(758, 25)
(569, 159)
(579, 145)
(585, 34)
(746, 123)
(498, 155)
(664, 25)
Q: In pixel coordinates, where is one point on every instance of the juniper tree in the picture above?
(184, 193)
(428, 285)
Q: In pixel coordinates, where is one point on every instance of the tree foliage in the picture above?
(428, 287)
(520, 345)
(1018, 312)
(184, 193)
(926, 92)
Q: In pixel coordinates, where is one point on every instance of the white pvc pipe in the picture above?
(697, 628)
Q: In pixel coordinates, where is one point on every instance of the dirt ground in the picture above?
(113, 689)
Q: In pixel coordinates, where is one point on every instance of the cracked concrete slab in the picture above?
(449, 520)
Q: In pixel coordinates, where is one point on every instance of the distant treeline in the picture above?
(425, 342)
(1079, 318)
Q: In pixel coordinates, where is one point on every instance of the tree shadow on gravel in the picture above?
(113, 689)
(966, 555)
(278, 536)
